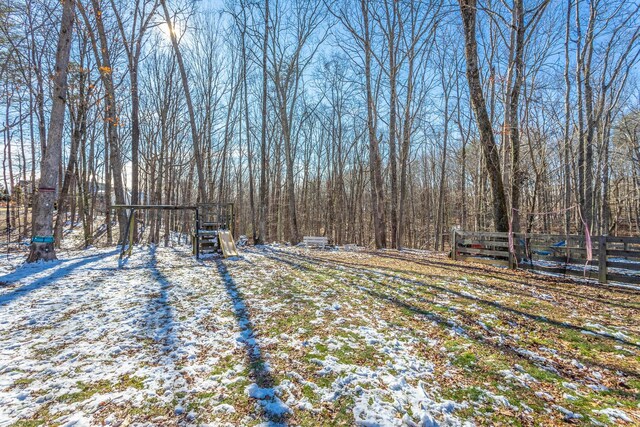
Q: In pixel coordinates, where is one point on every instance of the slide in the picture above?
(227, 244)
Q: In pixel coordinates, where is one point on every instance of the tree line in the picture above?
(376, 122)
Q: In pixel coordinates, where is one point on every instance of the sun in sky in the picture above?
(166, 30)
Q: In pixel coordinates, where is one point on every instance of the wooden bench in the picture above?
(316, 241)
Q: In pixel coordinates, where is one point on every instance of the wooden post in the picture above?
(132, 220)
(454, 245)
(231, 218)
(123, 238)
(602, 259)
(512, 260)
(197, 235)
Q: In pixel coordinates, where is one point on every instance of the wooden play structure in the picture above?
(212, 231)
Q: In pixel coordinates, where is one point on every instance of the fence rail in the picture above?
(613, 258)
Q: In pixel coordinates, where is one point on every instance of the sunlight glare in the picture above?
(166, 31)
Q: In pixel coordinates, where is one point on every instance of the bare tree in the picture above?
(264, 161)
(372, 129)
(42, 241)
(142, 13)
(291, 56)
(202, 192)
(468, 11)
(102, 53)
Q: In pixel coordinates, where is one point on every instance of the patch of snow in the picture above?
(569, 415)
(523, 378)
(614, 414)
(569, 385)
(92, 319)
(544, 395)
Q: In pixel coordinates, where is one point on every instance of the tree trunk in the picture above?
(245, 91)
(443, 167)
(393, 102)
(133, 48)
(112, 121)
(202, 192)
(375, 164)
(42, 240)
(517, 177)
(567, 125)
(264, 191)
(487, 139)
(135, 141)
(77, 134)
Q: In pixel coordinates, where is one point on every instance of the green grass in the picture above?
(131, 381)
(86, 391)
(460, 394)
(465, 360)
(23, 381)
(542, 375)
(309, 393)
(586, 345)
(527, 304)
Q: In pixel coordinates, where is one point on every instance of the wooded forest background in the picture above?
(381, 123)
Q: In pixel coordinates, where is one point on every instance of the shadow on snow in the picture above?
(65, 268)
(264, 387)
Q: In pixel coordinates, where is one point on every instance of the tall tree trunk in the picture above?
(245, 92)
(76, 136)
(264, 190)
(107, 182)
(133, 48)
(393, 102)
(443, 168)
(588, 137)
(83, 189)
(517, 177)
(42, 241)
(293, 217)
(567, 125)
(606, 207)
(112, 121)
(375, 164)
(135, 141)
(487, 139)
(202, 192)
(407, 128)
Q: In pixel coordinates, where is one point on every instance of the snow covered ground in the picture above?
(283, 336)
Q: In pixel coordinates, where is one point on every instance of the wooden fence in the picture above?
(615, 259)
